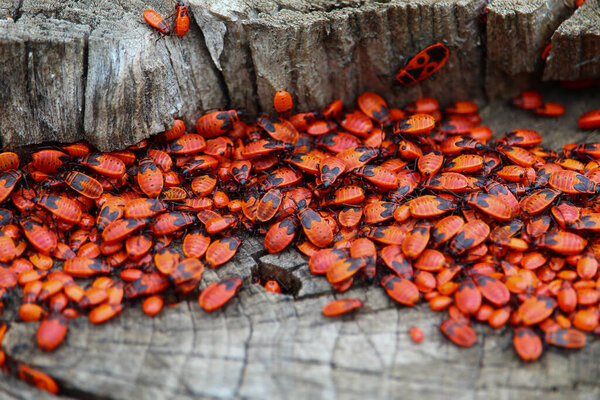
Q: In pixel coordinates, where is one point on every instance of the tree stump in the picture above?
(89, 70)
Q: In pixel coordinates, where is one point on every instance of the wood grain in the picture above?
(576, 46)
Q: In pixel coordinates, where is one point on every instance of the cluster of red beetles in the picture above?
(413, 199)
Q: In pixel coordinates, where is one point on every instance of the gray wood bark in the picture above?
(263, 345)
(517, 32)
(94, 70)
(575, 52)
(41, 81)
(72, 70)
(324, 50)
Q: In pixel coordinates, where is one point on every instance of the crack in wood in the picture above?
(246, 346)
(15, 12)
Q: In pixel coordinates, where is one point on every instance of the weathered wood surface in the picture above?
(93, 69)
(576, 46)
(324, 50)
(516, 33)
(263, 345)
